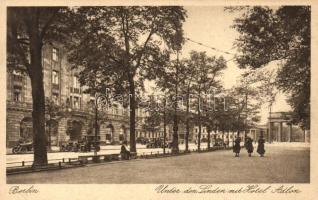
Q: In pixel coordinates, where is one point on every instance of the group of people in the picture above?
(125, 154)
(249, 146)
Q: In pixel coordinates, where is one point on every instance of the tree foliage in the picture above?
(206, 83)
(124, 45)
(283, 34)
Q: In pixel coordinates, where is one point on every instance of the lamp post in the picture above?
(270, 124)
(96, 124)
(96, 146)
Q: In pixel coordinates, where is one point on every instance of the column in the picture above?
(290, 137)
(280, 130)
(270, 128)
(255, 136)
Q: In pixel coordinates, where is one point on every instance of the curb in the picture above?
(78, 163)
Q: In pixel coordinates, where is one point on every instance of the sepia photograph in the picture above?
(158, 94)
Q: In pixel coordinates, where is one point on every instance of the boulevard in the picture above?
(206, 168)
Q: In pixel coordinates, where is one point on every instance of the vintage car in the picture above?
(86, 144)
(158, 143)
(219, 142)
(71, 146)
(89, 143)
(142, 140)
(22, 147)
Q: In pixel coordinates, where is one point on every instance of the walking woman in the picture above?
(249, 146)
(237, 146)
(261, 146)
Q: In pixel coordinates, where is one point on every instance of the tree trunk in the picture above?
(187, 125)
(209, 139)
(200, 124)
(38, 113)
(38, 118)
(175, 142)
(270, 125)
(175, 145)
(223, 136)
(164, 127)
(36, 76)
(132, 115)
(238, 126)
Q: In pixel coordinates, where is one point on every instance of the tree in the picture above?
(235, 107)
(247, 101)
(264, 81)
(187, 91)
(28, 29)
(289, 27)
(129, 45)
(170, 80)
(207, 71)
(153, 119)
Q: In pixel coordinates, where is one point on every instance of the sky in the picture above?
(211, 25)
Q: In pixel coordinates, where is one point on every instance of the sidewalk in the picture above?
(289, 144)
(56, 149)
(280, 165)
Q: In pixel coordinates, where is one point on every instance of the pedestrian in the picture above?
(249, 146)
(261, 147)
(237, 146)
(124, 153)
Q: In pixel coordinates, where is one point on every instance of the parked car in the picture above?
(22, 147)
(142, 140)
(219, 142)
(157, 143)
(71, 146)
(90, 143)
(86, 144)
(153, 144)
(204, 140)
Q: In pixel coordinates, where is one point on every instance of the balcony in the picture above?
(17, 105)
(75, 90)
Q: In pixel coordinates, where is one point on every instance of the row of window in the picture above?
(17, 81)
(55, 79)
(149, 135)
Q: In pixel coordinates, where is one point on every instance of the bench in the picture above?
(111, 157)
(105, 157)
(84, 159)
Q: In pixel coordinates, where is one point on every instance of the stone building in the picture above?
(61, 85)
(279, 129)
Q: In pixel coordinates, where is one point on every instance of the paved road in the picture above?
(282, 164)
(16, 159)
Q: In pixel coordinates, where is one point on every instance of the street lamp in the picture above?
(96, 123)
(96, 146)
